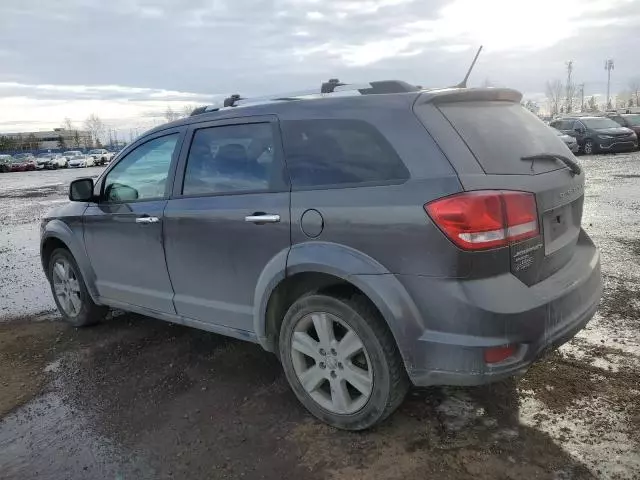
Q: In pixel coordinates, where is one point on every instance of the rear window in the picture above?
(499, 134)
(339, 153)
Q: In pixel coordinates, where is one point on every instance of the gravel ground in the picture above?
(139, 398)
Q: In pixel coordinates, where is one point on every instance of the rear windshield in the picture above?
(499, 134)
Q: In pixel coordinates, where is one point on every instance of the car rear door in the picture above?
(227, 219)
(502, 141)
(123, 231)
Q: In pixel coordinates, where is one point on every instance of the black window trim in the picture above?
(278, 158)
(101, 181)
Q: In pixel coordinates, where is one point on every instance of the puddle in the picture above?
(48, 440)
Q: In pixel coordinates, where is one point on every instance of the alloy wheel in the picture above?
(331, 363)
(66, 287)
(588, 147)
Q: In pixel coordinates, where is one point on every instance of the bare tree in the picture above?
(67, 124)
(554, 91)
(634, 87)
(94, 124)
(170, 115)
(187, 110)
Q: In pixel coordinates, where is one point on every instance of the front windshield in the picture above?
(20, 156)
(633, 120)
(95, 151)
(599, 123)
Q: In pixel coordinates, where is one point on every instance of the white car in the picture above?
(51, 161)
(81, 161)
(101, 156)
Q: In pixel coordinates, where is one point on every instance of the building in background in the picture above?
(56, 139)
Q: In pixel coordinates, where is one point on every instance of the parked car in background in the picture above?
(597, 134)
(570, 141)
(317, 229)
(100, 156)
(51, 161)
(42, 161)
(26, 157)
(629, 120)
(5, 163)
(22, 163)
(58, 161)
(81, 161)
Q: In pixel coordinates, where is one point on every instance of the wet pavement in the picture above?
(140, 398)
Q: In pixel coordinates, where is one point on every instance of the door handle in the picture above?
(147, 220)
(262, 218)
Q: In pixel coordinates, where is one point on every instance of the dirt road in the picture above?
(139, 398)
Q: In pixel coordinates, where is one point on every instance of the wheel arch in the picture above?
(322, 266)
(58, 234)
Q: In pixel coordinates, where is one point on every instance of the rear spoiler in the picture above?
(450, 95)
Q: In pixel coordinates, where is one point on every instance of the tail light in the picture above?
(486, 219)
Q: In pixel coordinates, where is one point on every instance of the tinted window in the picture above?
(232, 158)
(143, 173)
(338, 152)
(500, 133)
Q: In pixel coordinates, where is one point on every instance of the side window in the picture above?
(143, 173)
(338, 152)
(231, 158)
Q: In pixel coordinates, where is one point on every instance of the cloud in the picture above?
(163, 50)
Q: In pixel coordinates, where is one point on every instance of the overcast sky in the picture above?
(126, 60)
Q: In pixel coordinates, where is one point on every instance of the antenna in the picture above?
(463, 83)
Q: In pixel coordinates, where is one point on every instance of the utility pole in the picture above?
(608, 66)
(569, 65)
(581, 97)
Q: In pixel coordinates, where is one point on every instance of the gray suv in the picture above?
(373, 239)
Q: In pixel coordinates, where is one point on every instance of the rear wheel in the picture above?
(341, 361)
(589, 147)
(70, 292)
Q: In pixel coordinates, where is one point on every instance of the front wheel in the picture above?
(589, 147)
(70, 292)
(342, 361)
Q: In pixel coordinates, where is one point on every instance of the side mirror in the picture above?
(117, 192)
(579, 130)
(81, 190)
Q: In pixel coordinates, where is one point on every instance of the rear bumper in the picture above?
(464, 317)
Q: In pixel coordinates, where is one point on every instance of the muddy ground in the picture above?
(139, 398)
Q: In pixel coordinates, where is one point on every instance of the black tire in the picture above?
(89, 313)
(589, 148)
(390, 382)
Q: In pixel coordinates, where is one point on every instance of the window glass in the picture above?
(335, 152)
(599, 122)
(232, 158)
(489, 127)
(143, 173)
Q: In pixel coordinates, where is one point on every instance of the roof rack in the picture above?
(333, 86)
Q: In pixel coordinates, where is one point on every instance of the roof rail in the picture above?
(333, 86)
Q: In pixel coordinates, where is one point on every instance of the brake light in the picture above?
(486, 219)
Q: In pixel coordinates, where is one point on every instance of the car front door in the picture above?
(123, 230)
(227, 219)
